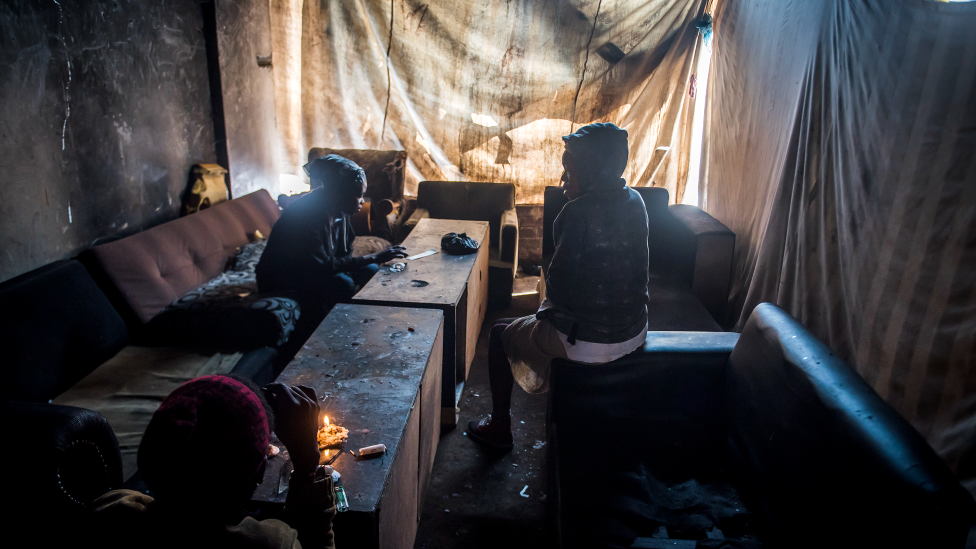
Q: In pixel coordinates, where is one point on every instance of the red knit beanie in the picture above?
(207, 440)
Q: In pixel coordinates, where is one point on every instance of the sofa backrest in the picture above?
(385, 170)
(655, 201)
(56, 327)
(701, 249)
(468, 201)
(831, 463)
(153, 268)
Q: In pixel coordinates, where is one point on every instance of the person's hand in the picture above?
(389, 254)
(296, 423)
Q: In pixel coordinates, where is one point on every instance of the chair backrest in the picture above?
(468, 201)
(655, 201)
(153, 268)
(817, 446)
(385, 170)
(56, 327)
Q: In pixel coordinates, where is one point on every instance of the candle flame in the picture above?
(325, 421)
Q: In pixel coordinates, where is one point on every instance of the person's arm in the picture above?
(332, 263)
(310, 505)
(569, 235)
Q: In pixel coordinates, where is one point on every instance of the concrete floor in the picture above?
(474, 498)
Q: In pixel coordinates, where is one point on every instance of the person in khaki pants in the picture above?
(595, 309)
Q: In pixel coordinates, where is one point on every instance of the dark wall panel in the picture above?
(104, 106)
(243, 36)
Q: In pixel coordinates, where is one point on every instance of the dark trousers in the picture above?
(341, 287)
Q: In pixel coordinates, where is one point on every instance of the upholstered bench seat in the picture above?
(128, 388)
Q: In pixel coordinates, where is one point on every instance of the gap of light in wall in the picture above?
(698, 127)
(292, 184)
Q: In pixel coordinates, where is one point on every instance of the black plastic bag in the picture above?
(459, 244)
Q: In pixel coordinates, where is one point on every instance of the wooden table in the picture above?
(455, 284)
(378, 369)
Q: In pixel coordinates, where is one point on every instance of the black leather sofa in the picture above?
(690, 254)
(761, 440)
(56, 328)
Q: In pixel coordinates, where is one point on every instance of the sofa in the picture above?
(77, 394)
(690, 255)
(764, 439)
(190, 282)
(469, 201)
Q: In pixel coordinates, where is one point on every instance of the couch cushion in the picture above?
(128, 389)
(817, 446)
(227, 312)
(56, 327)
(153, 268)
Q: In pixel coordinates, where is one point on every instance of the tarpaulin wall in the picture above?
(840, 149)
(482, 90)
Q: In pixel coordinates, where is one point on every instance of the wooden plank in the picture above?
(398, 508)
(430, 419)
(370, 368)
(476, 307)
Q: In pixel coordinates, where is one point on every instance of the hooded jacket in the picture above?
(596, 284)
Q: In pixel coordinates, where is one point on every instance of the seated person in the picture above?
(309, 253)
(203, 454)
(595, 309)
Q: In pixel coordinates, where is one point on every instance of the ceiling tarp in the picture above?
(841, 139)
(482, 90)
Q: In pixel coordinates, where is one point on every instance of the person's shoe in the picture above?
(492, 432)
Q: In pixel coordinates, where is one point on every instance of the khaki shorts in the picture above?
(531, 345)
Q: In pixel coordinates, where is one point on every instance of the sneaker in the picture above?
(491, 432)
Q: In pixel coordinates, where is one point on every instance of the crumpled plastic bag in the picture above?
(459, 244)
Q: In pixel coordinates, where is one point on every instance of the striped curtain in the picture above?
(842, 151)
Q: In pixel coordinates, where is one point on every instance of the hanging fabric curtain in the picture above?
(482, 90)
(840, 149)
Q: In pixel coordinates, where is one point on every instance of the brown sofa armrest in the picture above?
(702, 252)
(415, 217)
(508, 239)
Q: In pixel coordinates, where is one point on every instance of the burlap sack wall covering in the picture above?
(482, 90)
(841, 149)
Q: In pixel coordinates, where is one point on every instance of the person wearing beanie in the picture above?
(202, 456)
(595, 309)
(309, 252)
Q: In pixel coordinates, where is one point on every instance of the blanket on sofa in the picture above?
(128, 396)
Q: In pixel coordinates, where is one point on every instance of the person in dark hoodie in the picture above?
(309, 253)
(203, 454)
(595, 309)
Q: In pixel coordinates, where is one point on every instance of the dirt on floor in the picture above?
(477, 499)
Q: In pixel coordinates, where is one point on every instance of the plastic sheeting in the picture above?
(482, 90)
(840, 149)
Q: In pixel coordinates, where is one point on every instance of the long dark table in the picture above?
(377, 371)
(457, 285)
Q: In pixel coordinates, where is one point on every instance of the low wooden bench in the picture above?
(378, 372)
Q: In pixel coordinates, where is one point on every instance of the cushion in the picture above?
(56, 327)
(128, 389)
(153, 268)
(365, 245)
(227, 312)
